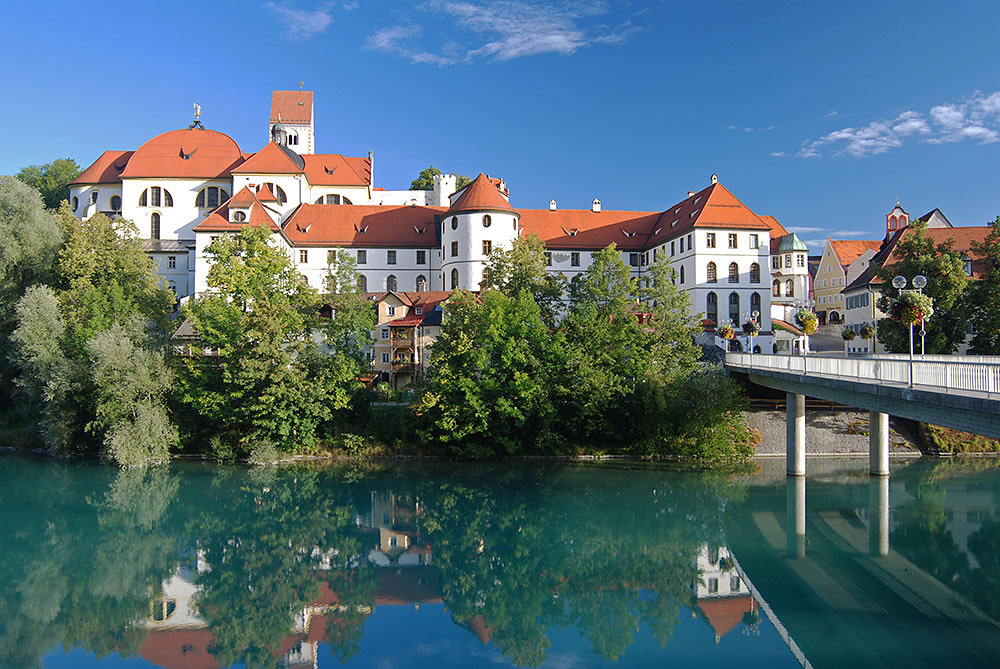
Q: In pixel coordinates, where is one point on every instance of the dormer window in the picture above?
(239, 216)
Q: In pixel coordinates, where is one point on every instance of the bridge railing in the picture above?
(953, 375)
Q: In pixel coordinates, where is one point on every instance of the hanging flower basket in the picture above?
(726, 331)
(807, 321)
(867, 331)
(911, 308)
(848, 334)
(751, 328)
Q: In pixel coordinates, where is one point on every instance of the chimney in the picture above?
(690, 193)
(552, 205)
(596, 206)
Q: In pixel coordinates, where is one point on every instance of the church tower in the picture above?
(897, 219)
(291, 122)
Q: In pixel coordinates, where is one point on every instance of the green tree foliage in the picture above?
(946, 282)
(523, 267)
(268, 381)
(984, 296)
(51, 179)
(425, 180)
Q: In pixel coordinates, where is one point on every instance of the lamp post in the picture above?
(919, 282)
(751, 317)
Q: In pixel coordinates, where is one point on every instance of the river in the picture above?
(538, 563)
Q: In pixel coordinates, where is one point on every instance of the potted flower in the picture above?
(726, 331)
(807, 321)
(867, 331)
(848, 334)
(751, 327)
(912, 308)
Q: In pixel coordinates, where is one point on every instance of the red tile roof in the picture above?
(218, 220)
(849, 250)
(244, 199)
(333, 169)
(179, 648)
(106, 169)
(712, 207)
(480, 195)
(272, 159)
(265, 194)
(725, 613)
(362, 225)
(777, 229)
(190, 153)
(786, 326)
(961, 239)
(292, 106)
(585, 229)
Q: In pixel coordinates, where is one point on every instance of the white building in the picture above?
(185, 187)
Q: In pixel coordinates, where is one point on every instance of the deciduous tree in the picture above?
(984, 294)
(51, 179)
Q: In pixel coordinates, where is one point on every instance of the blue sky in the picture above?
(820, 113)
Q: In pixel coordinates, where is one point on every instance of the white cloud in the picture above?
(500, 31)
(778, 154)
(301, 24)
(976, 118)
(831, 113)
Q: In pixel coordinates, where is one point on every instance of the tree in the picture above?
(524, 267)
(983, 295)
(425, 180)
(945, 269)
(51, 179)
(671, 325)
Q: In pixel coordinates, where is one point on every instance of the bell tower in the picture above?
(291, 121)
(895, 220)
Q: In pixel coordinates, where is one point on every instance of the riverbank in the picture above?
(829, 432)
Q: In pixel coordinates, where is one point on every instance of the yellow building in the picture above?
(832, 275)
(408, 325)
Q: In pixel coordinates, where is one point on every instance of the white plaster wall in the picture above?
(179, 274)
(295, 186)
(84, 192)
(376, 270)
(470, 234)
(178, 221)
(356, 194)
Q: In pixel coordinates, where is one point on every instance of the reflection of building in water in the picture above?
(400, 541)
(722, 599)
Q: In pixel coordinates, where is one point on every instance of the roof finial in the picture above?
(897, 199)
(197, 117)
(301, 84)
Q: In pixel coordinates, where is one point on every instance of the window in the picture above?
(776, 262)
(967, 266)
(487, 247)
(690, 242)
(385, 357)
(390, 283)
(303, 256)
(671, 248)
(454, 279)
(711, 273)
(801, 260)
(154, 226)
(276, 190)
(171, 262)
(734, 307)
(754, 273)
(574, 258)
(682, 273)
(732, 240)
(421, 257)
(548, 258)
(390, 310)
(209, 197)
(713, 585)
(385, 333)
(454, 222)
(633, 259)
(421, 284)
(734, 273)
(331, 255)
(710, 240)
(776, 288)
(755, 302)
(76, 202)
(682, 245)
(292, 139)
(418, 310)
(155, 196)
(734, 584)
(789, 288)
(712, 307)
(754, 242)
(172, 285)
(213, 239)
(487, 221)
(454, 249)
(239, 216)
(362, 283)
(390, 257)
(362, 257)
(93, 197)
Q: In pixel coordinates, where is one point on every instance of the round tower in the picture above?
(479, 220)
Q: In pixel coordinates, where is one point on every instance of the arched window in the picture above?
(776, 288)
(154, 226)
(291, 138)
(454, 279)
(421, 283)
(734, 273)
(454, 222)
(390, 283)
(172, 285)
(712, 307)
(755, 273)
(734, 307)
(76, 203)
(789, 288)
(116, 203)
(210, 198)
(487, 221)
(755, 302)
(362, 283)
(712, 275)
(156, 197)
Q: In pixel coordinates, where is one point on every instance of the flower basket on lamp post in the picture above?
(726, 331)
(867, 331)
(911, 308)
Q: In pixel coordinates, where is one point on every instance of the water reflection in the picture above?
(315, 566)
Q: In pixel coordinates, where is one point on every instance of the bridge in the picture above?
(959, 392)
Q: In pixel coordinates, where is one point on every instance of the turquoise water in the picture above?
(538, 564)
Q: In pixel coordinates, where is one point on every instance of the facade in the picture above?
(185, 187)
(790, 283)
(839, 259)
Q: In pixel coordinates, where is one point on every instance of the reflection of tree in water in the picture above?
(82, 574)
(922, 535)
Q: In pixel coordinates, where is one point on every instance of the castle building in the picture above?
(185, 187)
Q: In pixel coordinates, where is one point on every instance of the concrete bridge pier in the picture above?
(795, 434)
(795, 516)
(878, 443)
(878, 516)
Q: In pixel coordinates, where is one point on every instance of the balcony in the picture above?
(402, 367)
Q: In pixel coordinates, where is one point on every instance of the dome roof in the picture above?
(791, 242)
(195, 153)
(480, 195)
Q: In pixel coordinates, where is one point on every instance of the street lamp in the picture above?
(919, 282)
(753, 318)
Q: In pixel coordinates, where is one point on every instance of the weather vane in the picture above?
(197, 111)
(301, 84)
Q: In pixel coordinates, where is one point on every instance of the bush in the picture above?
(263, 452)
